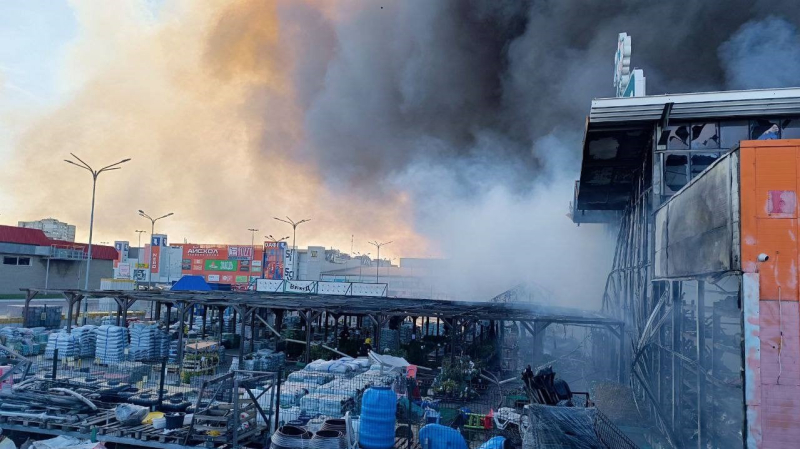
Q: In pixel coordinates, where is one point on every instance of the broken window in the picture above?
(676, 168)
(733, 132)
(701, 161)
(675, 137)
(705, 136)
(763, 129)
(790, 128)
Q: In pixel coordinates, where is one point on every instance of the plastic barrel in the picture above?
(378, 407)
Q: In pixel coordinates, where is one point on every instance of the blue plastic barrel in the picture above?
(378, 407)
(437, 436)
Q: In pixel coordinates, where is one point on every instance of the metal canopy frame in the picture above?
(353, 305)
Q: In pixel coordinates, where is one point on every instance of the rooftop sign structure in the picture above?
(627, 83)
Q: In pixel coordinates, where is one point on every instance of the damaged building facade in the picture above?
(703, 189)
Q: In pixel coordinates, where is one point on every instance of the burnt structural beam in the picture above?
(309, 316)
(29, 295)
(701, 371)
(71, 299)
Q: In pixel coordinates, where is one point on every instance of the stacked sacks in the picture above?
(144, 341)
(87, 340)
(390, 339)
(67, 344)
(111, 344)
(163, 343)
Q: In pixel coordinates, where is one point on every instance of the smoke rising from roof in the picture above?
(452, 127)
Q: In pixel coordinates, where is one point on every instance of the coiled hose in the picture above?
(291, 437)
(328, 439)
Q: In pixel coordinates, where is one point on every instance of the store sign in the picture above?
(240, 252)
(142, 265)
(124, 270)
(140, 275)
(213, 278)
(220, 265)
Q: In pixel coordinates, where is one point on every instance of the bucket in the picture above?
(174, 421)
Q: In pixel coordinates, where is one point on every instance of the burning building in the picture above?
(703, 189)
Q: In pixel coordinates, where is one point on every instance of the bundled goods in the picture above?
(431, 329)
(87, 340)
(163, 343)
(144, 341)
(173, 351)
(323, 404)
(267, 360)
(390, 339)
(291, 322)
(22, 340)
(67, 345)
(310, 377)
(292, 392)
(111, 344)
(344, 387)
(406, 331)
(345, 365)
(374, 378)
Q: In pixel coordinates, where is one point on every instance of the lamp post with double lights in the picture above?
(294, 224)
(378, 269)
(95, 174)
(150, 252)
(361, 263)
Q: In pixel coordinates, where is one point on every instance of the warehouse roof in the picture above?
(36, 237)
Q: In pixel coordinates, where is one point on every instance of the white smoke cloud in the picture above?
(762, 54)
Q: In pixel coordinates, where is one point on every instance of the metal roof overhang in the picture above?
(619, 134)
(360, 305)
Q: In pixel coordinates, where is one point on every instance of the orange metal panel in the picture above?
(769, 185)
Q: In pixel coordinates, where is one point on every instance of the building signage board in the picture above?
(225, 264)
(277, 261)
(122, 248)
(124, 270)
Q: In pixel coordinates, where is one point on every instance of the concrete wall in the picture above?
(63, 274)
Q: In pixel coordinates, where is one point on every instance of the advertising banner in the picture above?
(225, 264)
(125, 270)
(140, 275)
(122, 248)
(276, 260)
(155, 257)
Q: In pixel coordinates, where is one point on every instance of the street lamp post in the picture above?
(150, 252)
(95, 174)
(360, 264)
(378, 269)
(294, 224)
(253, 254)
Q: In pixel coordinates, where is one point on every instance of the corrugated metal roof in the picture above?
(743, 103)
(35, 237)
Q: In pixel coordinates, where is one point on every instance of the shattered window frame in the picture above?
(765, 129)
(705, 136)
(673, 171)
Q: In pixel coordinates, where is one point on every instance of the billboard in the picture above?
(122, 248)
(224, 264)
(277, 261)
(156, 242)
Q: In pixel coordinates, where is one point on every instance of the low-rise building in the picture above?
(30, 259)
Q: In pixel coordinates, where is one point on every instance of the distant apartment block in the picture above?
(52, 228)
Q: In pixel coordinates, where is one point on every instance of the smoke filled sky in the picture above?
(451, 127)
